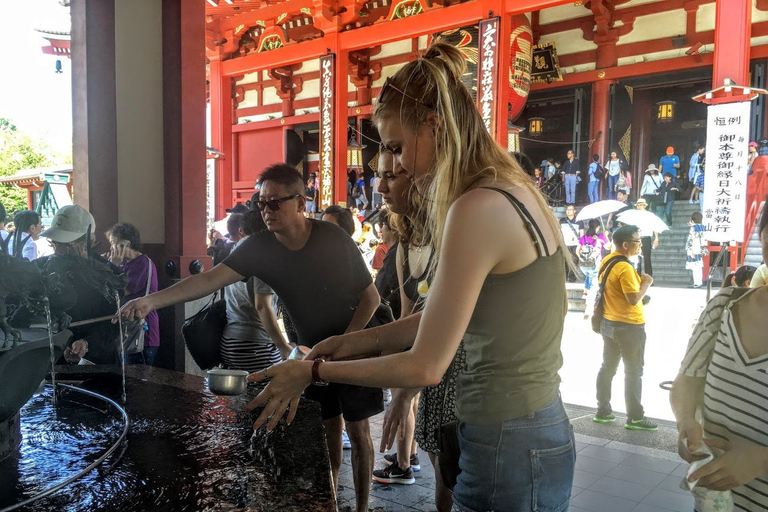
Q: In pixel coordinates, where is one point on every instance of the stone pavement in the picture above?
(611, 475)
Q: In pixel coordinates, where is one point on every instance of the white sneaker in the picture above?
(387, 395)
(345, 440)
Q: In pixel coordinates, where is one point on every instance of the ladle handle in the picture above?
(79, 322)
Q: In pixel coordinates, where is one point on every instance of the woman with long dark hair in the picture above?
(28, 228)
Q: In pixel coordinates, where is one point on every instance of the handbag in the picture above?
(587, 257)
(202, 333)
(134, 332)
(449, 453)
(599, 311)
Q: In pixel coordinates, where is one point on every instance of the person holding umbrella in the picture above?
(651, 184)
(649, 236)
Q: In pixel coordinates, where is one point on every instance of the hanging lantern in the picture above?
(354, 154)
(535, 126)
(666, 111)
(521, 52)
(513, 139)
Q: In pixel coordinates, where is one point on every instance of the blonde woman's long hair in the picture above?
(465, 151)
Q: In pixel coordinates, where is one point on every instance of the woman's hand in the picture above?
(288, 381)
(396, 418)
(77, 351)
(137, 309)
(738, 465)
(692, 432)
(118, 254)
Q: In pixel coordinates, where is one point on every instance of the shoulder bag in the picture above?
(133, 332)
(599, 311)
(202, 333)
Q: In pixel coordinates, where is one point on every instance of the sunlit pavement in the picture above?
(616, 469)
(670, 318)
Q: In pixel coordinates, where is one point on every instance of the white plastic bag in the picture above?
(706, 499)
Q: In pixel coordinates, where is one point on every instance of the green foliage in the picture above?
(19, 151)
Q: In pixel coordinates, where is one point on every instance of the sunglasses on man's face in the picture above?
(388, 85)
(274, 204)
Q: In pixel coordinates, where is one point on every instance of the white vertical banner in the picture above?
(725, 177)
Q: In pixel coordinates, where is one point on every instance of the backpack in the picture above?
(599, 311)
(599, 172)
(587, 256)
(356, 190)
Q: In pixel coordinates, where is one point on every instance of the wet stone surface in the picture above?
(187, 449)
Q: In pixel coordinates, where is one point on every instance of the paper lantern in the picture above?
(521, 50)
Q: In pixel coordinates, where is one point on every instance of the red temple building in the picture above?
(294, 81)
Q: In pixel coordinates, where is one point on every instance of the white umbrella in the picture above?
(598, 209)
(645, 220)
(221, 225)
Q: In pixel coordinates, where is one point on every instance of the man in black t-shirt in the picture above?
(320, 276)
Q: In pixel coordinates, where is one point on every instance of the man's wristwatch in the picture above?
(316, 380)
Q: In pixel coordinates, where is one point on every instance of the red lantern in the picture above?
(521, 51)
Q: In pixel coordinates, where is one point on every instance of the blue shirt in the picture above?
(592, 170)
(667, 164)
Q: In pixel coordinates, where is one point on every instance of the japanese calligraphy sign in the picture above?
(725, 177)
(327, 84)
(545, 66)
(488, 72)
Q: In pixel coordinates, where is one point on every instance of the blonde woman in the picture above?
(504, 296)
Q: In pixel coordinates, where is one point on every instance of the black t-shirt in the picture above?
(320, 284)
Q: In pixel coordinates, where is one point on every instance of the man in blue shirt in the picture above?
(595, 171)
(571, 171)
(670, 163)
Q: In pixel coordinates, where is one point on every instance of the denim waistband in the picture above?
(551, 414)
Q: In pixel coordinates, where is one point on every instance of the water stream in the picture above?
(53, 354)
(122, 343)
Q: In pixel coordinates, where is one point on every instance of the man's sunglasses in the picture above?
(274, 204)
(388, 85)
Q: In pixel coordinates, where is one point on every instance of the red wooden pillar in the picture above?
(94, 111)
(598, 126)
(733, 29)
(221, 136)
(341, 113)
(184, 140)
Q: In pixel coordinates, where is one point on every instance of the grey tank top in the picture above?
(513, 338)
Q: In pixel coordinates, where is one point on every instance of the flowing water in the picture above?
(53, 354)
(186, 450)
(122, 343)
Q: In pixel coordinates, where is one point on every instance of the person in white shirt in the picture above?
(29, 225)
(613, 168)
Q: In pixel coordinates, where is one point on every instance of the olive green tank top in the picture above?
(513, 338)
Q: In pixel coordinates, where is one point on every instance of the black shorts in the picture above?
(356, 403)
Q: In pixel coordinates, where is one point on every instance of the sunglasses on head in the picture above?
(274, 204)
(388, 85)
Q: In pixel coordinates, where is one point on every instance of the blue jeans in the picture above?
(570, 188)
(612, 180)
(594, 191)
(520, 465)
(627, 342)
(664, 211)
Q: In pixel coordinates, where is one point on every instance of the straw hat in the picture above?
(651, 167)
